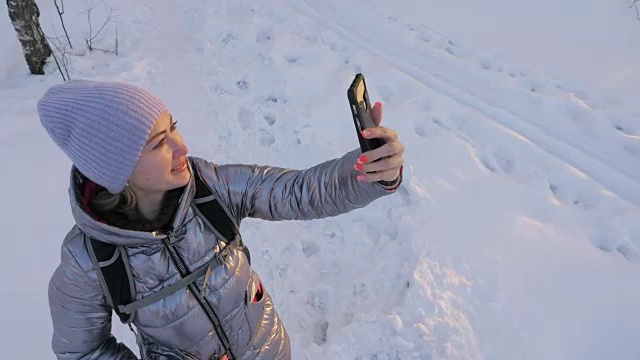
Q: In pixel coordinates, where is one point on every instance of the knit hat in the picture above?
(101, 126)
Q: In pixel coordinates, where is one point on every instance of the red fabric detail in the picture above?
(89, 188)
(258, 296)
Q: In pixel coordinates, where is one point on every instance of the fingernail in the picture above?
(358, 167)
(362, 159)
(378, 103)
(361, 177)
(366, 133)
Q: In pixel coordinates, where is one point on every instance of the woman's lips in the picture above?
(181, 167)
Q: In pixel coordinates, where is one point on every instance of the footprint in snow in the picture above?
(302, 59)
(623, 130)
(320, 332)
(569, 194)
(245, 118)
(486, 64)
(626, 127)
(270, 119)
(310, 248)
(305, 135)
(360, 290)
(242, 84)
(534, 86)
(609, 242)
(498, 161)
(420, 104)
(227, 38)
(632, 147)
(457, 51)
(630, 253)
(266, 139)
(460, 125)
(273, 99)
(423, 130)
(332, 42)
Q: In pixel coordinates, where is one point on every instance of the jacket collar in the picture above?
(114, 235)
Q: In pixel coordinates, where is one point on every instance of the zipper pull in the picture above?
(163, 233)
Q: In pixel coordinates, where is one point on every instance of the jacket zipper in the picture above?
(195, 290)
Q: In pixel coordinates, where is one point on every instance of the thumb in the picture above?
(376, 112)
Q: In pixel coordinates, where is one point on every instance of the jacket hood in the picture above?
(115, 235)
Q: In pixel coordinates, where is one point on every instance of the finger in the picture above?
(376, 112)
(388, 149)
(393, 162)
(380, 132)
(387, 175)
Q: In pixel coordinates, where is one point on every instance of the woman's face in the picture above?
(163, 163)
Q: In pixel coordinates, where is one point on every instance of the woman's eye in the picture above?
(160, 143)
(173, 126)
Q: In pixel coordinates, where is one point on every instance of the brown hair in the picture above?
(103, 201)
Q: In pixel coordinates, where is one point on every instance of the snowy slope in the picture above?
(516, 232)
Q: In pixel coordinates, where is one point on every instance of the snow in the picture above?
(514, 236)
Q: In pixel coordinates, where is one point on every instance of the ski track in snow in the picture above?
(590, 159)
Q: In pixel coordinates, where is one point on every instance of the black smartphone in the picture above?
(361, 111)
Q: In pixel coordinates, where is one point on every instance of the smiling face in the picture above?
(162, 166)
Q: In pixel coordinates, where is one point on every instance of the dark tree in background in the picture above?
(25, 17)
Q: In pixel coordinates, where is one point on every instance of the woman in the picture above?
(132, 187)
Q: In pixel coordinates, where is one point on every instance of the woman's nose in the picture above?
(179, 148)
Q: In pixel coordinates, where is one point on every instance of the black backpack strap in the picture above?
(112, 263)
(112, 266)
(215, 214)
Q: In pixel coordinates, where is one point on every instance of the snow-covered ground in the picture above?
(516, 234)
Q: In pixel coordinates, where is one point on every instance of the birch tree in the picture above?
(25, 17)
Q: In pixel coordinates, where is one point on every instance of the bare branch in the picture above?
(63, 61)
(108, 20)
(88, 38)
(60, 13)
(634, 4)
(58, 64)
(93, 37)
(105, 51)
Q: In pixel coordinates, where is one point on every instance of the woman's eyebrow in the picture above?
(161, 132)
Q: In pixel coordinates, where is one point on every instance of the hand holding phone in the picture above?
(382, 152)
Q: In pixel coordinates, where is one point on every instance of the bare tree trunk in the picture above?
(24, 15)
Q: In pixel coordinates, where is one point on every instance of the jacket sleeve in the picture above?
(273, 193)
(81, 317)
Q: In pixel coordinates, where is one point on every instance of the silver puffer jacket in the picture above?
(176, 327)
